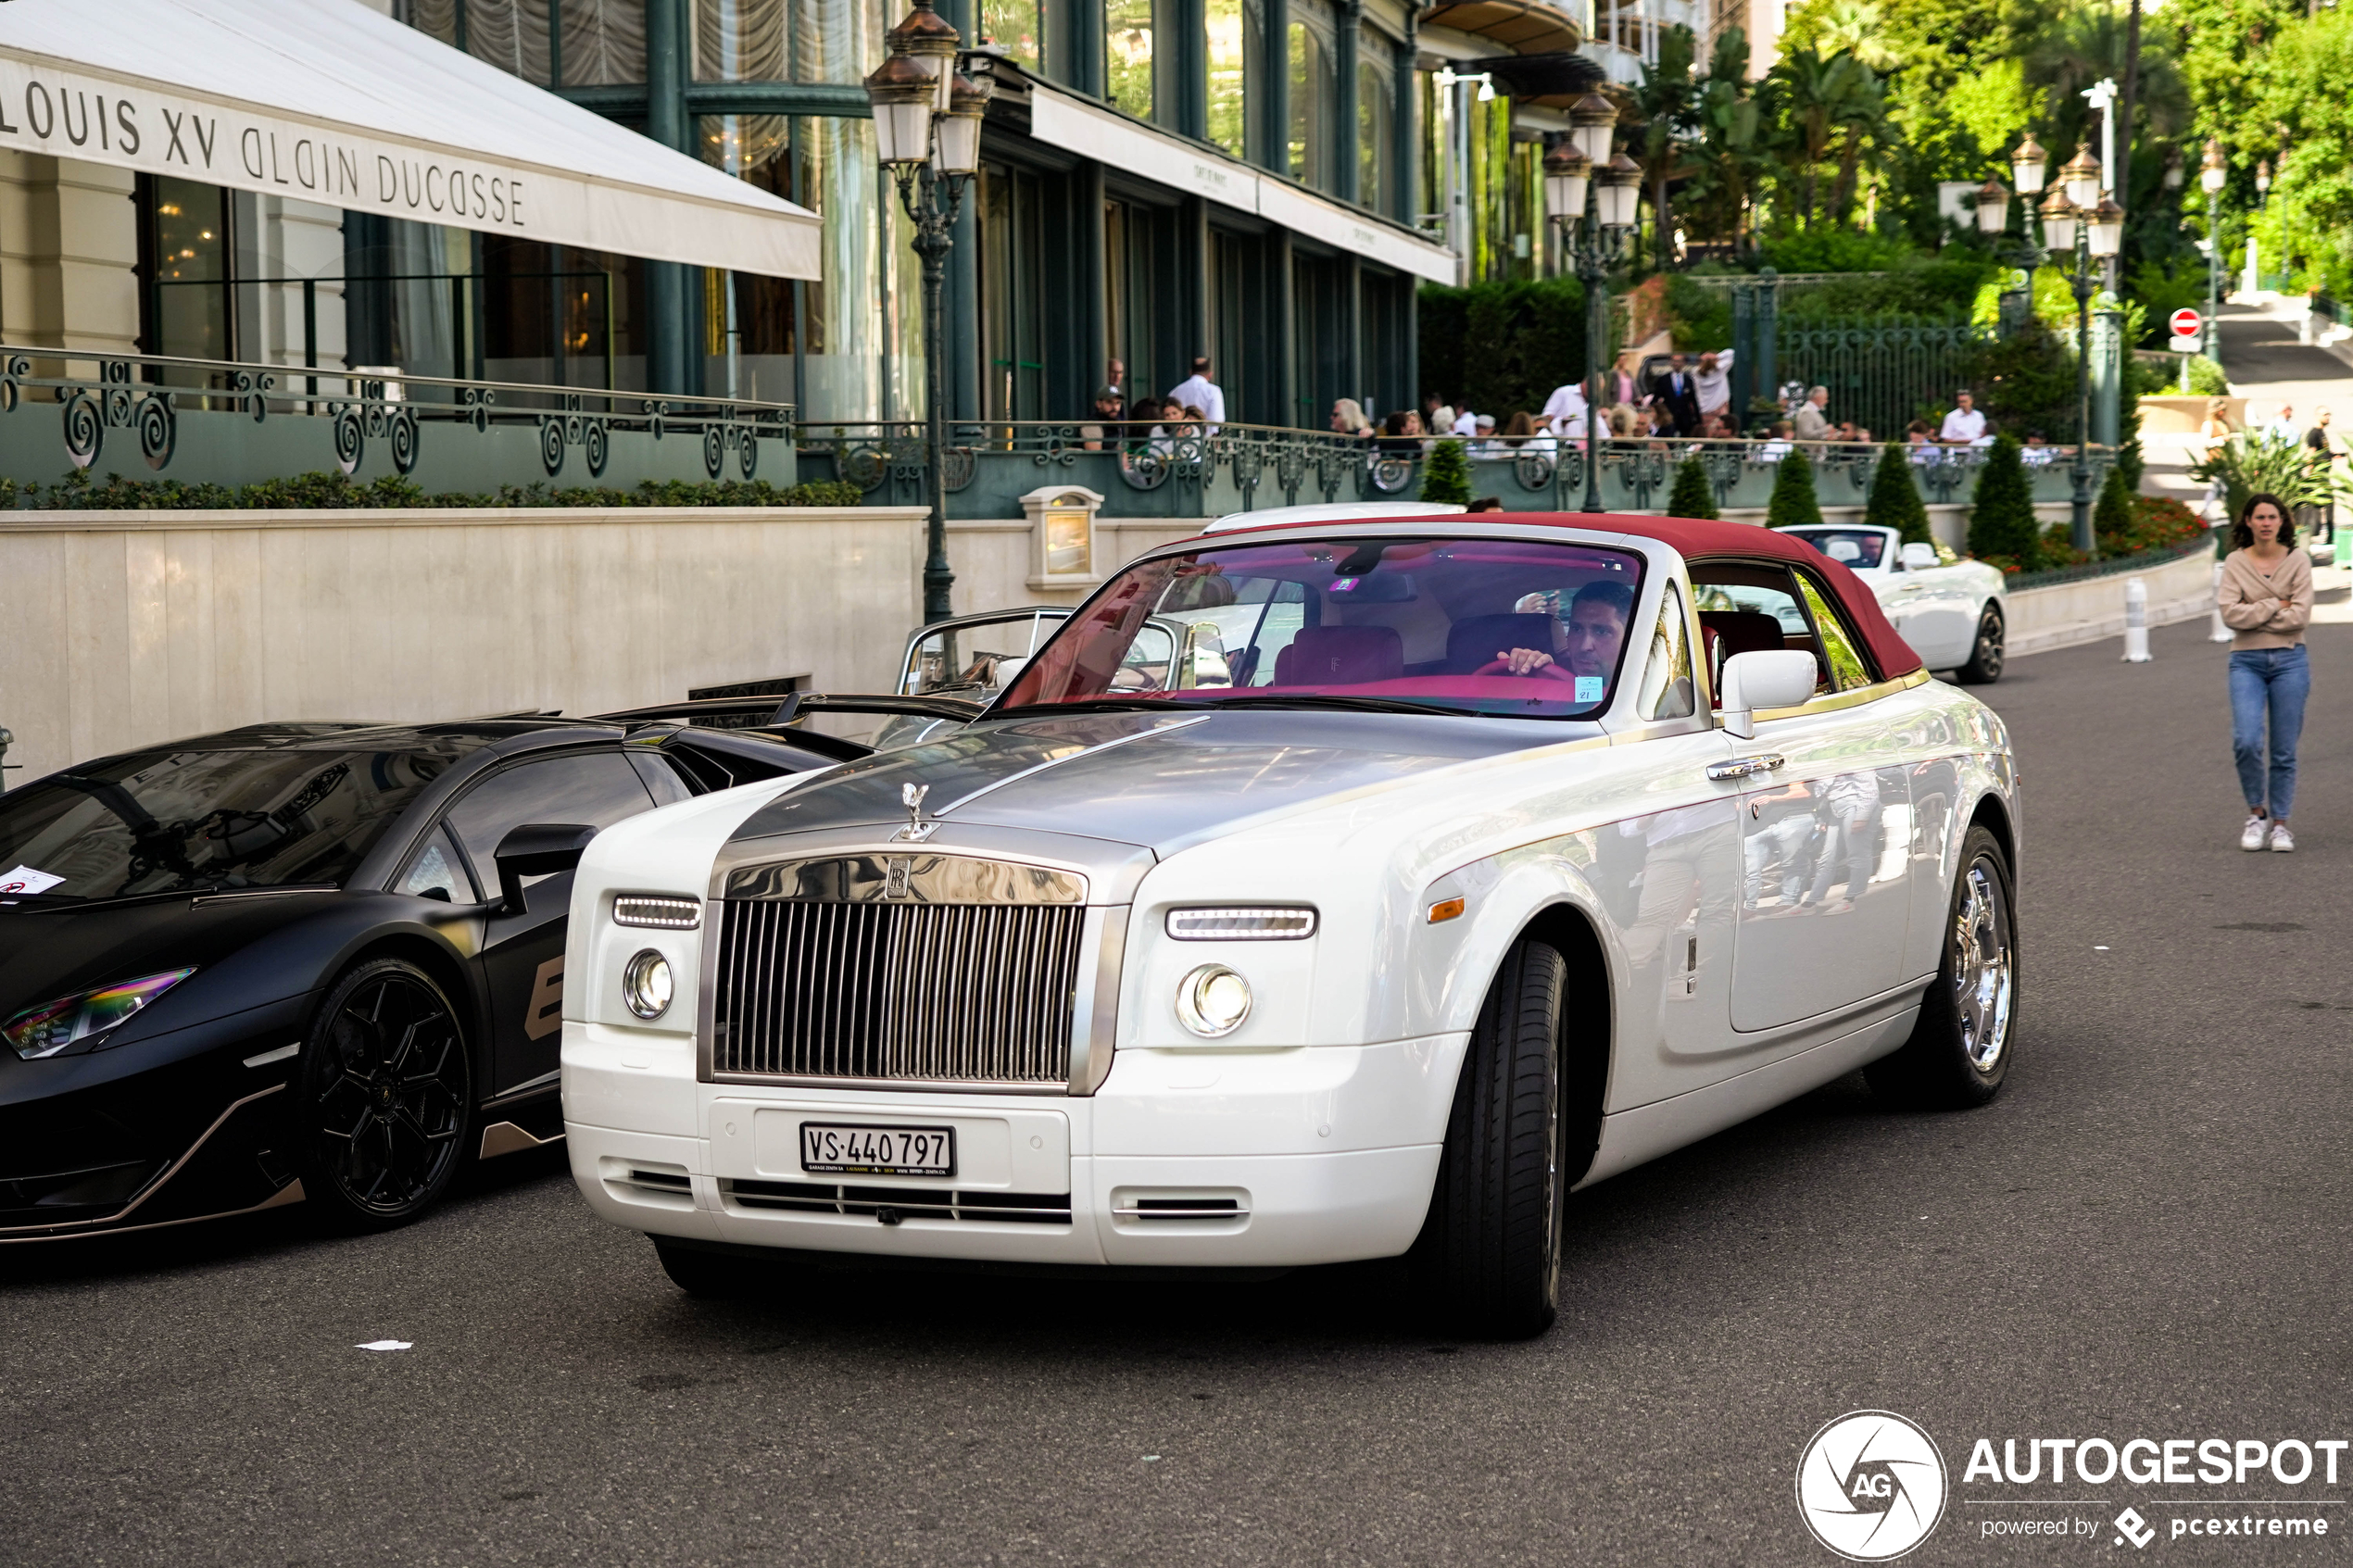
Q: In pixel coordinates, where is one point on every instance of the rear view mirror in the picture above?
(1918, 557)
(536, 849)
(1767, 678)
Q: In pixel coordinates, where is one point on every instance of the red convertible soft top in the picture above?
(1697, 539)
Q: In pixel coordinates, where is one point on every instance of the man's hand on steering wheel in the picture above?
(1522, 661)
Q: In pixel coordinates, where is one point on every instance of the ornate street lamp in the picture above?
(2081, 179)
(2027, 165)
(2094, 237)
(1595, 207)
(2212, 175)
(1992, 206)
(927, 134)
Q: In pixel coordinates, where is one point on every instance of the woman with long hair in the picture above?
(2265, 601)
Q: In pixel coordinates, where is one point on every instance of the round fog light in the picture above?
(1212, 1000)
(645, 985)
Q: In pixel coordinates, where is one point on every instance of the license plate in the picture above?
(877, 1151)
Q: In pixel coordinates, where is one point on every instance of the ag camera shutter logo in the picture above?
(1871, 1486)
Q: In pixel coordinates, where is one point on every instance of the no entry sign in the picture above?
(2183, 321)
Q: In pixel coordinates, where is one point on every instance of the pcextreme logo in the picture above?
(1871, 1486)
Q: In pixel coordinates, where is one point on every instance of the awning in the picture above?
(1524, 27)
(1124, 143)
(329, 101)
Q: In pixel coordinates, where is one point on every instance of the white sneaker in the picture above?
(2282, 840)
(2257, 829)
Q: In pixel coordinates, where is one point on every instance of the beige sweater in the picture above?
(2266, 611)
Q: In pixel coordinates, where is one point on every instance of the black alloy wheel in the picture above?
(1984, 666)
(1488, 1259)
(1960, 1050)
(387, 1097)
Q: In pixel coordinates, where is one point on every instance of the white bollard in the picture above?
(2218, 632)
(2136, 622)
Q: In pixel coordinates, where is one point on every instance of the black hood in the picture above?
(1159, 778)
(48, 951)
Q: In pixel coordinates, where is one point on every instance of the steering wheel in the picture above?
(1503, 667)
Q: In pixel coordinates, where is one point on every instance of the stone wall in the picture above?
(128, 628)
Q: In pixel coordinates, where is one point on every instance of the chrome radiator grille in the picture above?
(944, 993)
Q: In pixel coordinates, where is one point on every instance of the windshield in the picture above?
(1858, 549)
(159, 821)
(1499, 626)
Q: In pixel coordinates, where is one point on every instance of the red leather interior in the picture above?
(1341, 656)
(1475, 640)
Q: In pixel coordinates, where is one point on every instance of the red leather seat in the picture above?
(1341, 656)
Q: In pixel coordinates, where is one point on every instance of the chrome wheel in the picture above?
(1985, 665)
(388, 1090)
(1984, 970)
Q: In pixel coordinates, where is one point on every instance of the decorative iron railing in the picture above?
(227, 423)
(1245, 468)
(1880, 375)
(989, 465)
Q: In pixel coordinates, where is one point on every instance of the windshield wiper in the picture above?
(1096, 705)
(1337, 700)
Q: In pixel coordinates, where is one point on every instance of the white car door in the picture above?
(1940, 614)
(1825, 823)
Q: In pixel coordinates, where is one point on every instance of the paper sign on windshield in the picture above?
(24, 878)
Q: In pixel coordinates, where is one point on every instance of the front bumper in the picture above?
(1315, 1154)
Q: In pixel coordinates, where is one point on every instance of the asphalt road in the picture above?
(2145, 1235)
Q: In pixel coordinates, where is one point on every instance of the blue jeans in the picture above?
(2275, 680)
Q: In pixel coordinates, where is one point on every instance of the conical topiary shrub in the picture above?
(1793, 504)
(2002, 516)
(1894, 500)
(2112, 519)
(1692, 495)
(1446, 477)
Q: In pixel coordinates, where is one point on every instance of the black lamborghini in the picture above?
(318, 962)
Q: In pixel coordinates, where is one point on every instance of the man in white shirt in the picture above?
(1466, 423)
(1811, 420)
(1713, 384)
(2285, 427)
(1565, 403)
(1197, 391)
(1964, 426)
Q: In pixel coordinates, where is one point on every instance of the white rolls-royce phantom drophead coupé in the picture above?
(1430, 869)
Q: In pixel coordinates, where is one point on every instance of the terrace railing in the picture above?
(1245, 468)
(158, 416)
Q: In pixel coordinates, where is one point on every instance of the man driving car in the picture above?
(1596, 630)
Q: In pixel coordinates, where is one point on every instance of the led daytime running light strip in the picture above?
(1256, 923)
(660, 912)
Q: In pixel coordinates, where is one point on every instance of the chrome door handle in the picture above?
(1744, 767)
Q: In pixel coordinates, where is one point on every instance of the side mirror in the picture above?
(1918, 557)
(1767, 678)
(536, 849)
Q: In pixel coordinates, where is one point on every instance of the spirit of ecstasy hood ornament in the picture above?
(917, 828)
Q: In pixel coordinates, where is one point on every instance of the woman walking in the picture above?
(2266, 599)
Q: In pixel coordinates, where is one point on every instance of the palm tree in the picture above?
(1855, 28)
(1732, 150)
(1829, 97)
(1665, 109)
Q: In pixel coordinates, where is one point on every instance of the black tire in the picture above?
(1984, 666)
(385, 1112)
(1488, 1259)
(1960, 1050)
(706, 1275)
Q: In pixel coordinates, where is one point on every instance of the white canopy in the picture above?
(330, 101)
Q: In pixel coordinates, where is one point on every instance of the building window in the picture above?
(749, 323)
(1236, 33)
(1311, 94)
(1018, 27)
(598, 43)
(1128, 55)
(184, 242)
(1376, 111)
(737, 40)
(1012, 301)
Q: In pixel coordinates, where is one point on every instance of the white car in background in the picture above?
(1954, 616)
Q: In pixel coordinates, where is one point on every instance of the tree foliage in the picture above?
(1501, 348)
(1793, 504)
(1691, 496)
(1446, 477)
(2002, 528)
(1894, 501)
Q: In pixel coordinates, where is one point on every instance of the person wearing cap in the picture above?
(1484, 444)
(1106, 429)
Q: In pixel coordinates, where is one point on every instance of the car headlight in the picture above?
(1273, 924)
(71, 1025)
(646, 985)
(1213, 1001)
